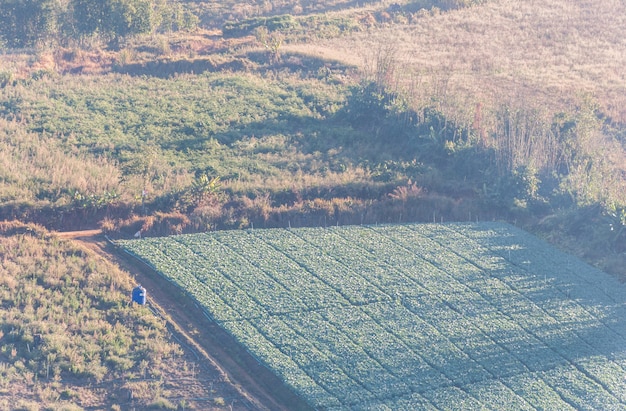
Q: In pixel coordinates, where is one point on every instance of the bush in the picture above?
(161, 403)
(248, 26)
(6, 78)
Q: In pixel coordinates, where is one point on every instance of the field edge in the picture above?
(239, 365)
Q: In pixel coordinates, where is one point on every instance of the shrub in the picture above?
(6, 78)
(161, 403)
(248, 26)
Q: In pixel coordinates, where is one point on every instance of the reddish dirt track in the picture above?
(88, 234)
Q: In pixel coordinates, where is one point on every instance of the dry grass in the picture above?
(530, 52)
(535, 52)
(30, 159)
(70, 340)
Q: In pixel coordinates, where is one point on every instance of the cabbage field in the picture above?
(458, 316)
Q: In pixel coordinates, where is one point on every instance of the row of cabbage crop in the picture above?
(497, 359)
(561, 330)
(433, 316)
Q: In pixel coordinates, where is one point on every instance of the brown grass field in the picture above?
(538, 52)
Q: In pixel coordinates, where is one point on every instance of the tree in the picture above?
(272, 41)
(24, 23)
(130, 17)
(115, 19)
(87, 16)
(27, 23)
(592, 157)
(174, 17)
(204, 186)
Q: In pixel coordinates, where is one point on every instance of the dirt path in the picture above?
(85, 234)
(259, 389)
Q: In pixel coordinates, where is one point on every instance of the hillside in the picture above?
(535, 54)
(207, 116)
(459, 112)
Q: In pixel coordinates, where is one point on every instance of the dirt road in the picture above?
(258, 388)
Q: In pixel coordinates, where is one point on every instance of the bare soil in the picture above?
(242, 382)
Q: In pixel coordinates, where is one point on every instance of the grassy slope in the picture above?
(200, 103)
(534, 55)
(256, 134)
(507, 52)
(69, 337)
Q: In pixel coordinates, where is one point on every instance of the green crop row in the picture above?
(434, 316)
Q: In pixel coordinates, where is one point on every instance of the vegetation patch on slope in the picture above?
(410, 316)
